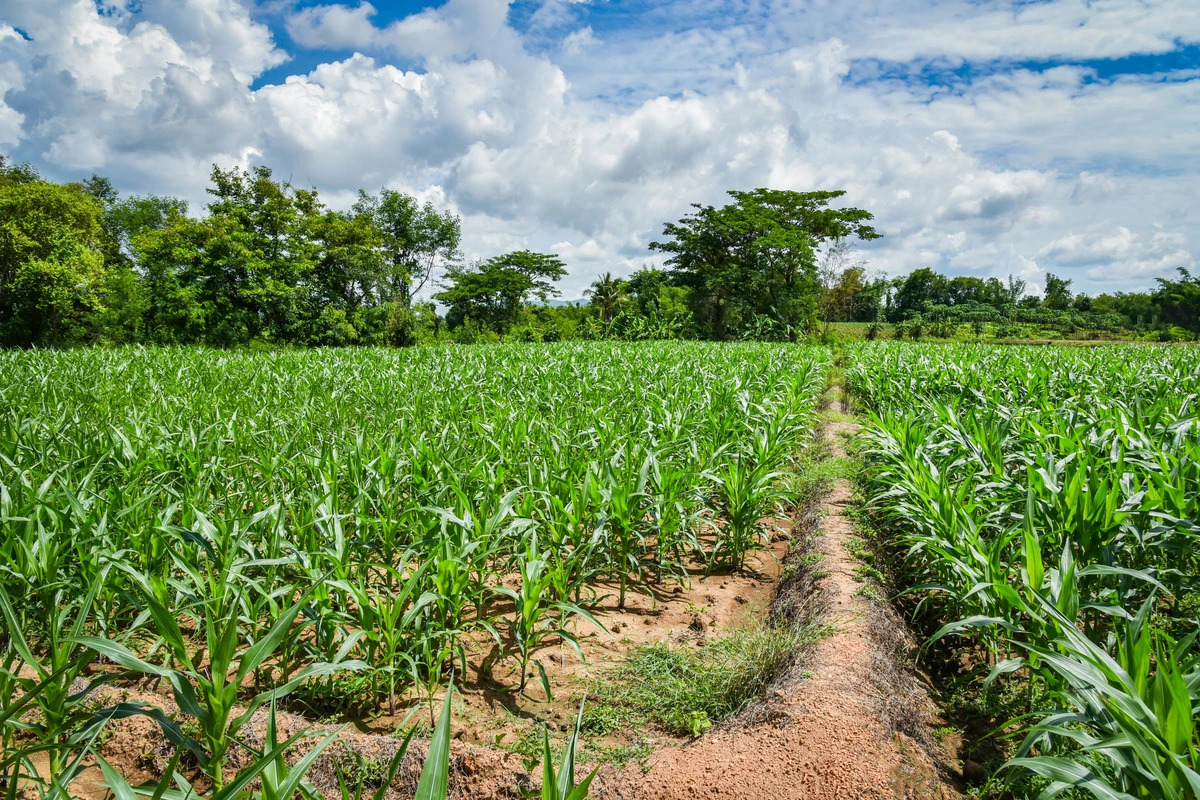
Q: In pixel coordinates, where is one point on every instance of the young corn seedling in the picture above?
(276, 779)
(561, 785)
(385, 618)
(622, 489)
(64, 718)
(746, 493)
(533, 620)
(207, 690)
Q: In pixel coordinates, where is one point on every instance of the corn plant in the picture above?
(1131, 713)
(623, 482)
(238, 522)
(63, 718)
(1028, 491)
(208, 692)
(277, 780)
(19, 777)
(384, 617)
(560, 784)
(747, 491)
(533, 621)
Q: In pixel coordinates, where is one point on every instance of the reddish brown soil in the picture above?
(489, 715)
(826, 737)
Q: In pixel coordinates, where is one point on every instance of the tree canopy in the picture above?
(493, 292)
(270, 263)
(1179, 301)
(757, 256)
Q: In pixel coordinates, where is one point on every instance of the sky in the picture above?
(988, 138)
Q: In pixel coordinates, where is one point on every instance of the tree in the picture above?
(493, 292)
(1015, 290)
(52, 270)
(920, 291)
(647, 285)
(867, 302)
(416, 241)
(757, 255)
(994, 293)
(1058, 292)
(964, 289)
(607, 293)
(841, 280)
(268, 263)
(1179, 301)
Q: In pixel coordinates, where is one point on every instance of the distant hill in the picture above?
(557, 303)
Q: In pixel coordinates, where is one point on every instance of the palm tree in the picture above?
(607, 292)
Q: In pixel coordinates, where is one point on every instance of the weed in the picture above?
(869, 592)
(679, 689)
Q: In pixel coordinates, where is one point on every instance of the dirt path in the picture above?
(831, 734)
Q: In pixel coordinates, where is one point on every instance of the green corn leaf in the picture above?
(435, 775)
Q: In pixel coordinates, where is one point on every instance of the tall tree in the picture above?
(607, 294)
(1058, 292)
(1179, 301)
(52, 270)
(493, 292)
(920, 291)
(416, 240)
(964, 289)
(757, 255)
(841, 280)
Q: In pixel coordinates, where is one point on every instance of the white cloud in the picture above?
(1119, 255)
(586, 147)
(336, 26)
(576, 42)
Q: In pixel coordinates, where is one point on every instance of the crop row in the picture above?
(1046, 502)
(330, 523)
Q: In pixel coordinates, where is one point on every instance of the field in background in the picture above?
(849, 332)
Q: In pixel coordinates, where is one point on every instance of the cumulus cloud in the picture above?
(1120, 254)
(556, 138)
(577, 41)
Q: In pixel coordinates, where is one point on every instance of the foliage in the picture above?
(493, 292)
(757, 255)
(246, 525)
(1179, 301)
(1044, 504)
(52, 273)
(416, 240)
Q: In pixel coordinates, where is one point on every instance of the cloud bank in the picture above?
(988, 138)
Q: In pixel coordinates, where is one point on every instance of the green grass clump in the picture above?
(684, 689)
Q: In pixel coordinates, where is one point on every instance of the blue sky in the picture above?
(988, 137)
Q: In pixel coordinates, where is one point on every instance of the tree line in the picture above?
(271, 264)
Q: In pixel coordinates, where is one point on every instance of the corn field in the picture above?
(255, 528)
(1045, 503)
